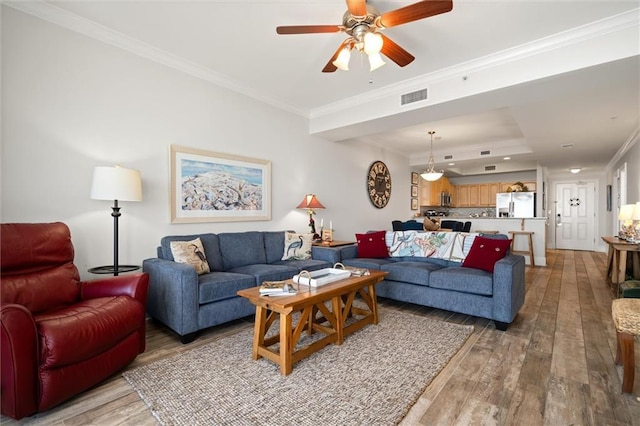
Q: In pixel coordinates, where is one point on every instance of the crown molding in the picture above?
(58, 16)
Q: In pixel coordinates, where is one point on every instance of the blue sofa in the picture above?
(186, 302)
(445, 284)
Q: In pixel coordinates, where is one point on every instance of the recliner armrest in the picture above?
(135, 285)
(19, 352)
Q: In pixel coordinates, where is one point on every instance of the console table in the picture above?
(617, 259)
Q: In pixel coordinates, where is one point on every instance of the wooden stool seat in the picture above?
(626, 318)
(528, 252)
(487, 232)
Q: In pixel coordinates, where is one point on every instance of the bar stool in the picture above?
(528, 252)
(626, 318)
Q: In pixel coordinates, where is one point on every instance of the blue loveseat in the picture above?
(187, 302)
(445, 284)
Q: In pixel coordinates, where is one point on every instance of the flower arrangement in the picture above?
(517, 187)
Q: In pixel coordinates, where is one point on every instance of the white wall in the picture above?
(70, 103)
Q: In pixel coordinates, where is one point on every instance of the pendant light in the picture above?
(430, 174)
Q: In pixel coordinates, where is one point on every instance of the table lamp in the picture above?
(635, 227)
(310, 202)
(117, 184)
(626, 217)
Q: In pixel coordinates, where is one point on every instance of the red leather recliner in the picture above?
(60, 336)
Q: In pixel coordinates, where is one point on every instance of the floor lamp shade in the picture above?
(116, 183)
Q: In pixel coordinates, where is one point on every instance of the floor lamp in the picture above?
(117, 184)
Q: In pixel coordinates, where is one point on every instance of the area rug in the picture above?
(373, 378)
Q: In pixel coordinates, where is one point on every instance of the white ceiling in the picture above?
(234, 43)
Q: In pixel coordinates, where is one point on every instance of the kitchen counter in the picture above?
(537, 225)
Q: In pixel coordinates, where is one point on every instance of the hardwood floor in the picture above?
(553, 366)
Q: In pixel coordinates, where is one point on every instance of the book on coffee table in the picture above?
(276, 288)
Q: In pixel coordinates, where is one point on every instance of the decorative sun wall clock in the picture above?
(379, 184)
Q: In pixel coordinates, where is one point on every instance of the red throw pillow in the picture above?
(372, 245)
(485, 252)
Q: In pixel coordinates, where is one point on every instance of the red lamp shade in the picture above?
(310, 202)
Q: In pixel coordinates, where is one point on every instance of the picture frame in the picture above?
(414, 204)
(209, 186)
(414, 178)
(327, 235)
(414, 191)
(609, 200)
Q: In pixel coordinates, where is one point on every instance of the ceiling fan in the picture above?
(363, 23)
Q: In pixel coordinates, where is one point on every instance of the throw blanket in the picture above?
(452, 246)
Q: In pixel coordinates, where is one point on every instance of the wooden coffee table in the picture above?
(309, 302)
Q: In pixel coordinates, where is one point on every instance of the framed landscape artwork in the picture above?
(213, 187)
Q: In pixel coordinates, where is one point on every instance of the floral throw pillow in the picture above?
(297, 246)
(191, 252)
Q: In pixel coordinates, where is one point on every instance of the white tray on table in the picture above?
(321, 277)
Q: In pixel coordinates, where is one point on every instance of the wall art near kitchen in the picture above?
(213, 187)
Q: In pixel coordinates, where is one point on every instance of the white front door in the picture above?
(575, 219)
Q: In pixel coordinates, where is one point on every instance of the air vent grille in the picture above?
(566, 145)
(418, 95)
(448, 157)
(489, 168)
(485, 152)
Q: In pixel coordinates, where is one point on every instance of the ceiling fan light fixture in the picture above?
(431, 174)
(375, 61)
(372, 43)
(342, 61)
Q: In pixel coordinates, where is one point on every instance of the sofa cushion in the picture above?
(367, 263)
(297, 246)
(485, 252)
(99, 323)
(372, 245)
(410, 272)
(464, 280)
(222, 285)
(192, 253)
(273, 243)
(264, 272)
(241, 248)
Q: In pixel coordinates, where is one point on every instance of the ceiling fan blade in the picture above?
(393, 51)
(357, 7)
(308, 29)
(415, 11)
(330, 67)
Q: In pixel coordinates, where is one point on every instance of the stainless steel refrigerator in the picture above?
(516, 204)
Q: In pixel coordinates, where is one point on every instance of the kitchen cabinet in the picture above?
(462, 196)
(430, 191)
(487, 194)
(474, 194)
